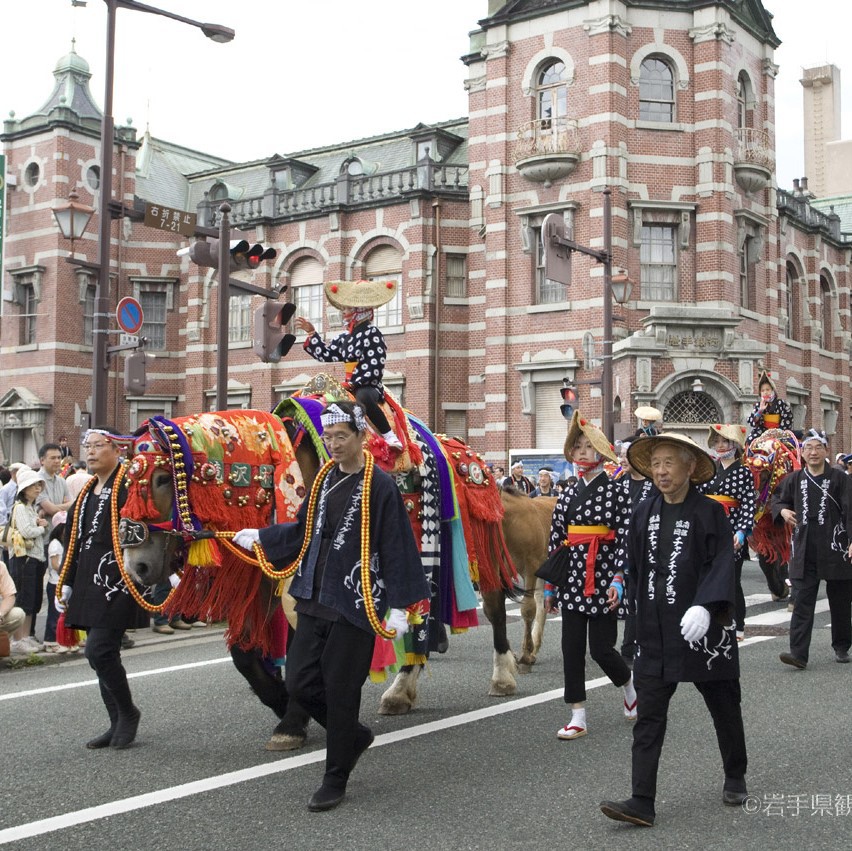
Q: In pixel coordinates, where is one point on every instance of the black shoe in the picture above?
(841, 656)
(102, 741)
(125, 730)
(126, 642)
(790, 659)
(325, 798)
(734, 798)
(627, 811)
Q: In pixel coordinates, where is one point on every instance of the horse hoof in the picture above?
(285, 742)
(502, 689)
(395, 706)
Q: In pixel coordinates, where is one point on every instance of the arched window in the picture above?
(552, 91)
(827, 312)
(219, 192)
(745, 100)
(385, 263)
(792, 328)
(692, 407)
(656, 91)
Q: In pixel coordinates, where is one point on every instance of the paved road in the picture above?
(464, 771)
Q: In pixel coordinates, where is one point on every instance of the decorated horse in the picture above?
(770, 457)
(196, 480)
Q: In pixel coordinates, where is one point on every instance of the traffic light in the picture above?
(271, 342)
(243, 254)
(569, 399)
(135, 376)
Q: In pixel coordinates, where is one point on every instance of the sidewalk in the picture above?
(142, 638)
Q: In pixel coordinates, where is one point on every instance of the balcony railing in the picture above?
(800, 210)
(548, 136)
(754, 148)
(347, 190)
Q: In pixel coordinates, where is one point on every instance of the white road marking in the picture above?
(775, 618)
(151, 673)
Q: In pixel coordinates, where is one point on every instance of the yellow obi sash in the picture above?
(591, 535)
(349, 366)
(727, 502)
(772, 420)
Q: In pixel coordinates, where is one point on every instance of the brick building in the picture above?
(668, 103)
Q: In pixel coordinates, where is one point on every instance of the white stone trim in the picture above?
(528, 86)
(666, 51)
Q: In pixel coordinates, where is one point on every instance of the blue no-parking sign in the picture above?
(129, 315)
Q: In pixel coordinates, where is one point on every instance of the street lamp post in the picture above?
(100, 330)
(558, 250)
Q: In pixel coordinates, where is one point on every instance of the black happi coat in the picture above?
(700, 573)
(637, 490)
(831, 526)
(100, 597)
(602, 502)
(365, 345)
(397, 573)
(736, 481)
(756, 421)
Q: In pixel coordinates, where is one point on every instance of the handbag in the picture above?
(6, 531)
(13, 540)
(556, 569)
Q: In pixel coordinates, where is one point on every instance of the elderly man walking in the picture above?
(681, 561)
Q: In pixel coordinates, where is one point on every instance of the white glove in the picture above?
(247, 538)
(397, 619)
(174, 580)
(62, 602)
(695, 623)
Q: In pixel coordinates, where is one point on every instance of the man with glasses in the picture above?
(329, 658)
(54, 495)
(93, 593)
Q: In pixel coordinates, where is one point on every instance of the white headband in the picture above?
(102, 431)
(813, 434)
(334, 414)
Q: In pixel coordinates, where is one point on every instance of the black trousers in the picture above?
(653, 695)
(839, 593)
(103, 653)
(739, 597)
(327, 665)
(369, 398)
(603, 632)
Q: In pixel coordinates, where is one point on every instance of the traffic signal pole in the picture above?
(224, 308)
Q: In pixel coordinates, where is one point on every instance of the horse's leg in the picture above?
(505, 667)
(402, 694)
(292, 730)
(533, 614)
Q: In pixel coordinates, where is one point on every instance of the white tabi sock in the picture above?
(629, 692)
(578, 718)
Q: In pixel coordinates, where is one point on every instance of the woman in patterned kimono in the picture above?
(733, 488)
(769, 411)
(362, 347)
(589, 527)
(681, 562)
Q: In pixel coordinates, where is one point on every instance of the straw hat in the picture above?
(640, 452)
(730, 431)
(580, 425)
(346, 294)
(27, 477)
(646, 412)
(765, 379)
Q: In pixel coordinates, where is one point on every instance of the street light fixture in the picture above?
(100, 364)
(72, 217)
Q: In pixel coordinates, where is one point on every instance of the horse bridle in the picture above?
(132, 533)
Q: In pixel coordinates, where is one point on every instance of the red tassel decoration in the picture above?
(65, 636)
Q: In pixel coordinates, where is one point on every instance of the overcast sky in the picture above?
(302, 74)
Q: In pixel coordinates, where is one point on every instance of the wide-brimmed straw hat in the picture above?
(27, 477)
(646, 412)
(639, 455)
(580, 425)
(346, 294)
(730, 431)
